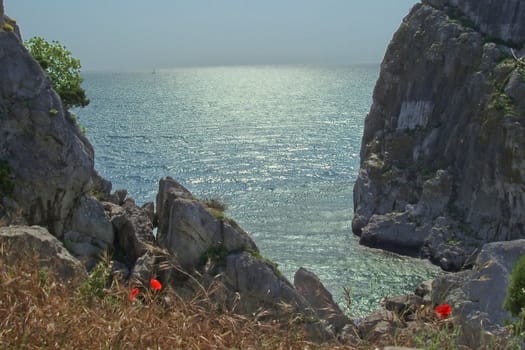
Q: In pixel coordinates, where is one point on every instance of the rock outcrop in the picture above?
(19, 243)
(442, 151)
(477, 295)
(50, 160)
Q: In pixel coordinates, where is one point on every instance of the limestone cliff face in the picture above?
(50, 160)
(443, 151)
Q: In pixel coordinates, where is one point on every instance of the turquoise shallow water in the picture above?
(278, 144)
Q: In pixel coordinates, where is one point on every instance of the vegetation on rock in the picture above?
(6, 184)
(515, 300)
(62, 69)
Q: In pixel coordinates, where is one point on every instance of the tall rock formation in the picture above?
(46, 163)
(442, 156)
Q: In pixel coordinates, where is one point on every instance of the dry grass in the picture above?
(37, 311)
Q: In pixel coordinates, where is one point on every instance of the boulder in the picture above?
(310, 287)
(23, 242)
(169, 190)
(89, 233)
(477, 295)
(133, 230)
(379, 326)
(190, 229)
(260, 284)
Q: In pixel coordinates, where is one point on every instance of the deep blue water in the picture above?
(278, 144)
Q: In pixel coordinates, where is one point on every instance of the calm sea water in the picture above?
(278, 144)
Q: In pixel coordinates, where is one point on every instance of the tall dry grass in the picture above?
(38, 311)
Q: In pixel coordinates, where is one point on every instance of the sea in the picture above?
(279, 145)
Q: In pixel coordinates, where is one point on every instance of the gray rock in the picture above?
(22, 242)
(380, 325)
(444, 138)
(477, 295)
(90, 219)
(192, 230)
(118, 197)
(310, 287)
(133, 231)
(169, 190)
(503, 20)
(101, 187)
(260, 284)
(51, 160)
(149, 210)
(395, 232)
(404, 305)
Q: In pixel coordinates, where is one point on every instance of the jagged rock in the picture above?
(51, 160)
(424, 290)
(133, 230)
(477, 295)
(89, 234)
(101, 187)
(21, 242)
(118, 197)
(189, 229)
(443, 147)
(503, 20)
(260, 284)
(404, 305)
(380, 325)
(310, 287)
(149, 210)
(169, 190)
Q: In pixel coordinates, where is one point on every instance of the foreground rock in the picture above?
(19, 243)
(477, 295)
(442, 151)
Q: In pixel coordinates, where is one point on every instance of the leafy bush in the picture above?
(515, 300)
(6, 184)
(62, 69)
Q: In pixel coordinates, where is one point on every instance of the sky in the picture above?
(138, 35)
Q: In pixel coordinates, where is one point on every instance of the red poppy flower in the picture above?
(443, 310)
(155, 284)
(133, 294)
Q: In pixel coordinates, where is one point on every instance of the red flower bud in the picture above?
(443, 310)
(155, 284)
(133, 294)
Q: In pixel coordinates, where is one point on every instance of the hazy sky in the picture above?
(130, 34)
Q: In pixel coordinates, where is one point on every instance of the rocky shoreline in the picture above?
(441, 178)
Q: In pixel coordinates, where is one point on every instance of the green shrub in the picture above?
(61, 68)
(7, 185)
(515, 300)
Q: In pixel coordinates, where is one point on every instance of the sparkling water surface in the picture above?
(278, 144)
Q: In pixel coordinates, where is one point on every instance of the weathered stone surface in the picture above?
(169, 190)
(504, 20)
(404, 305)
(51, 160)
(191, 229)
(22, 242)
(133, 230)
(379, 326)
(260, 284)
(89, 234)
(442, 156)
(477, 295)
(310, 287)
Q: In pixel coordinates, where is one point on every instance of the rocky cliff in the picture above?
(442, 157)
